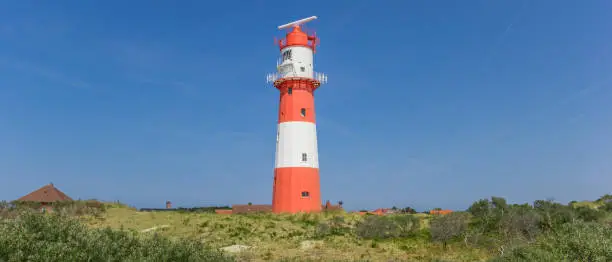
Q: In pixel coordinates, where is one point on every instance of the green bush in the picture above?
(334, 227)
(445, 227)
(588, 214)
(52, 237)
(553, 214)
(521, 222)
(578, 241)
(71, 208)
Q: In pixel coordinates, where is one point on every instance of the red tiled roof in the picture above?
(223, 211)
(47, 194)
(440, 212)
(239, 209)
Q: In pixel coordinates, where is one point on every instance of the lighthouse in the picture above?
(296, 185)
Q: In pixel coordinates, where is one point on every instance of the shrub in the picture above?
(588, 214)
(408, 210)
(553, 214)
(487, 214)
(577, 241)
(71, 208)
(521, 221)
(334, 227)
(444, 228)
(38, 237)
(381, 227)
(607, 198)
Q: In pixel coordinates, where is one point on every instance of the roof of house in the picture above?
(237, 209)
(48, 193)
(329, 207)
(440, 212)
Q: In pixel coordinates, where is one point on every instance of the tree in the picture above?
(521, 220)
(483, 212)
(408, 210)
(499, 203)
(553, 214)
(444, 228)
(480, 208)
(605, 198)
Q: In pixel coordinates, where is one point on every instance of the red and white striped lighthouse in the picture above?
(296, 173)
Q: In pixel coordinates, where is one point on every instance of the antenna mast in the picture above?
(297, 23)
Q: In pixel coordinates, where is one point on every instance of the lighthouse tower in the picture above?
(296, 173)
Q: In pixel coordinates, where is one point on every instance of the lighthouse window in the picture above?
(305, 194)
(304, 157)
(287, 55)
(303, 69)
(290, 90)
(303, 112)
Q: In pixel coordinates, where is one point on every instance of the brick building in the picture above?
(46, 196)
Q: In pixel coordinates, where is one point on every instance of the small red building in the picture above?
(440, 212)
(46, 195)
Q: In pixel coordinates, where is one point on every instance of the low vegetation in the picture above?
(34, 237)
(490, 230)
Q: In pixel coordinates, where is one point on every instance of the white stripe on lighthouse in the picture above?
(295, 139)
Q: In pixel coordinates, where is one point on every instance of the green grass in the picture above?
(274, 237)
(78, 231)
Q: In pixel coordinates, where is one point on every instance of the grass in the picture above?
(281, 237)
(116, 232)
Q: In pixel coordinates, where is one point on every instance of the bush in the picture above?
(588, 214)
(578, 241)
(445, 227)
(334, 227)
(38, 237)
(71, 208)
(521, 221)
(381, 227)
(487, 214)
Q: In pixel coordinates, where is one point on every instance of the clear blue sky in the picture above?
(429, 103)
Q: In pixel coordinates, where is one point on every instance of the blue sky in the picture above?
(429, 103)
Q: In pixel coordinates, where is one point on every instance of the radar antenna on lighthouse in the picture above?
(297, 23)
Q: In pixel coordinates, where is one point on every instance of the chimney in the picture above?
(168, 204)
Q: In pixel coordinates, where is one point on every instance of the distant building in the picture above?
(329, 207)
(249, 208)
(46, 196)
(223, 211)
(383, 211)
(242, 209)
(379, 211)
(440, 212)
